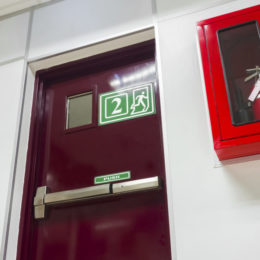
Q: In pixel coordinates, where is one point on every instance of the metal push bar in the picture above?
(43, 199)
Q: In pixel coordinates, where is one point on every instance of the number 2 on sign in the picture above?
(118, 103)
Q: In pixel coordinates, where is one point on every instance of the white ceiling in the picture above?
(11, 6)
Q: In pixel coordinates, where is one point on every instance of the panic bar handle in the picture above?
(43, 199)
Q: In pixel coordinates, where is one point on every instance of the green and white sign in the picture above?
(112, 177)
(126, 103)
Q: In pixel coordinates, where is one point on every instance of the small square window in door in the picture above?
(79, 110)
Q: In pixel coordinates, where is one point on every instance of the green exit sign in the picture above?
(112, 177)
(126, 103)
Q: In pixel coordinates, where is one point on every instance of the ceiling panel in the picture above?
(11, 6)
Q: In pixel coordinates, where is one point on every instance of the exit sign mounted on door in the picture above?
(127, 103)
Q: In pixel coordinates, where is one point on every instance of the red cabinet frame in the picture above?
(230, 140)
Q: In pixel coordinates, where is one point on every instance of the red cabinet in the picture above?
(230, 51)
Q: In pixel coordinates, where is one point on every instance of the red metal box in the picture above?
(230, 51)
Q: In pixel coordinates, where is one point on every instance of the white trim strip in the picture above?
(93, 49)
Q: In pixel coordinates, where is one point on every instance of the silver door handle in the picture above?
(43, 199)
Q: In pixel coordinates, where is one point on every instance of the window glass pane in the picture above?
(240, 51)
(79, 110)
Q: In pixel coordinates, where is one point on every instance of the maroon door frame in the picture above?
(42, 78)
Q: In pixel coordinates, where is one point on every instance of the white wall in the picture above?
(14, 32)
(9, 111)
(168, 8)
(216, 208)
(11, 6)
(71, 24)
(20, 168)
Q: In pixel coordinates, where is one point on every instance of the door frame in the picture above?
(27, 125)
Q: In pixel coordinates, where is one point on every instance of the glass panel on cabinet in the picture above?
(240, 53)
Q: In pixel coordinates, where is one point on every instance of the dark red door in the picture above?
(67, 151)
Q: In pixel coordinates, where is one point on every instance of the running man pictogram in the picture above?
(140, 101)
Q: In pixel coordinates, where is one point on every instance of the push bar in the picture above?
(43, 199)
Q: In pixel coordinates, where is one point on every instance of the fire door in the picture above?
(230, 51)
(95, 181)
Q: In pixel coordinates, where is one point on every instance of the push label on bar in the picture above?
(113, 177)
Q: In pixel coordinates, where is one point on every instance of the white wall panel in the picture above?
(13, 31)
(216, 209)
(11, 6)
(20, 168)
(166, 8)
(11, 77)
(70, 24)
